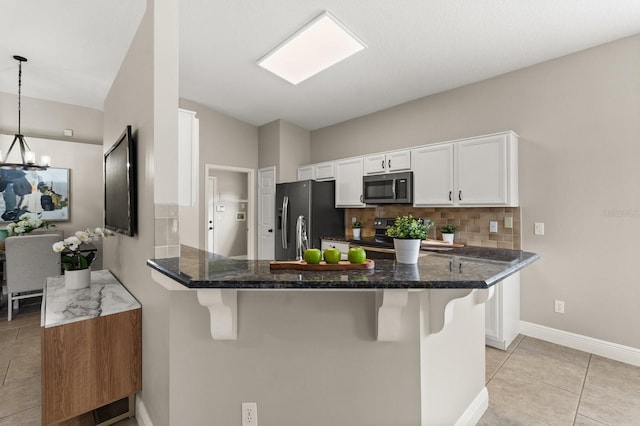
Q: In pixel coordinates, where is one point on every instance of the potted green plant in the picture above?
(447, 233)
(407, 232)
(356, 228)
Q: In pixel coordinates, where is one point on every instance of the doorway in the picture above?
(230, 211)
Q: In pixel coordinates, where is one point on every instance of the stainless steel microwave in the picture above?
(391, 188)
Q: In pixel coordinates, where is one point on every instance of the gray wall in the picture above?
(131, 101)
(224, 141)
(286, 146)
(577, 117)
(47, 119)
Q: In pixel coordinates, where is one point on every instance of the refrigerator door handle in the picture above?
(285, 224)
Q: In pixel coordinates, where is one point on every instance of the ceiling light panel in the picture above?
(321, 43)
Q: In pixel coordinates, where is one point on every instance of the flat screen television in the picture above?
(120, 185)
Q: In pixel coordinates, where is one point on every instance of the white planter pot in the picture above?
(75, 280)
(407, 251)
(448, 238)
(356, 233)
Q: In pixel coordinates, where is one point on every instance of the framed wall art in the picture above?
(39, 193)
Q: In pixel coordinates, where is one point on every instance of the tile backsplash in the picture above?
(472, 223)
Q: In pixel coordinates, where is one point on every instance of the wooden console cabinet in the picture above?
(91, 352)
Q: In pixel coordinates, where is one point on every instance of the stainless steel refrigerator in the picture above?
(315, 201)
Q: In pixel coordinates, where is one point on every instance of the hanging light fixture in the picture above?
(28, 156)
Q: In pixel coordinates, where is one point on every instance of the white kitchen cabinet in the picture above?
(325, 171)
(487, 171)
(473, 172)
(188, 146)
(343, 246)
(502, 313)
(306, 172)
(349, 183)
(433, 175)
(389, 162)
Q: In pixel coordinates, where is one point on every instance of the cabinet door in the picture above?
(306, 172)
(325, 171)
(374, 164)
(349, 183)
(482, 171)
(188, 143)
(433, 175)
(398, 161)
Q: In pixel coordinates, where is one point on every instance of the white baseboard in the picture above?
(475, 410)
(142, 416)
(614, 351)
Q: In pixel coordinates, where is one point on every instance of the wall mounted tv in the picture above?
(120, 185)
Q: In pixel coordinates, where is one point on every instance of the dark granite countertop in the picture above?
(467, 267)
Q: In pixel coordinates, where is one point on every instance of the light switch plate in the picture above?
(493, 226)
(538, 228)
(508, 222)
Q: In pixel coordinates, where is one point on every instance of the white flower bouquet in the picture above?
(72, 259)
(25, 224)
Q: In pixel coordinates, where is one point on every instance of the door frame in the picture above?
(211, 185)
(251, 210)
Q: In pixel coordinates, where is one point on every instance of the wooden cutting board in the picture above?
(301, 265)
(439, 243)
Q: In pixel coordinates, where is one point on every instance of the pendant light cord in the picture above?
(19, 92)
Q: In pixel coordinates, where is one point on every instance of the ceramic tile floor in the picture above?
(532, 383)
(539, 383)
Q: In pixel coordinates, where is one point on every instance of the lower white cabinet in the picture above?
(502, 313)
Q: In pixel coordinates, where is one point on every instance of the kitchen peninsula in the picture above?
(405, 336)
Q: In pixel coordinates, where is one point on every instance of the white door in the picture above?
(211, 214)
(266, 212)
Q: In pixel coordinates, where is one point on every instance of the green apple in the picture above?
(332, 255)
(312, 256)
(357, 255)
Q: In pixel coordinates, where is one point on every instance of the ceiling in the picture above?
(415, 48)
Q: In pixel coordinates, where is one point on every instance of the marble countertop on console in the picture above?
(467, 267)
(105, 296)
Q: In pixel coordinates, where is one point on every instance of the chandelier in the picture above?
(28, 156)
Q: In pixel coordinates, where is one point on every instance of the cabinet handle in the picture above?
(460, 195)
(383, 164)
(389, 164)
(460, 267)
(450, 194)
(362, 198)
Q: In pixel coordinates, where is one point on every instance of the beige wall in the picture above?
(286, 146)
(86, 188)
(577, 117)
(131, 101)
(224, 141)
(47, 119)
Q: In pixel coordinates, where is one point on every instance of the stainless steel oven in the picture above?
(392, 188)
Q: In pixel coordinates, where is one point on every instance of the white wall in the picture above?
(577, 117)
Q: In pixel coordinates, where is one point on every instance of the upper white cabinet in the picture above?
(395, 161)
(325, 171)
(349, 182)
(433, 175)
(487, 170)
(480, 171)
(188, 146)
(306, 172)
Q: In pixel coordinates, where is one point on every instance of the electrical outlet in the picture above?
(354, 219)
(249, 414)
(559, 306)
(508, 222)
(538, 228)
(493, 226)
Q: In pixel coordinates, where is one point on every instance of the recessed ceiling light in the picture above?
(321, 43)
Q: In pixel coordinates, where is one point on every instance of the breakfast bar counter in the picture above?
(409, 336)
(463, 268)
